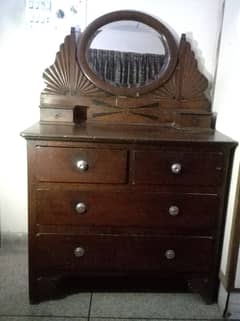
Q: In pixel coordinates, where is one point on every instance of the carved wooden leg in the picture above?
(41, 289)
(33, 291)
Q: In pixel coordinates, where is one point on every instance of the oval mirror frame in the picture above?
(169, 45)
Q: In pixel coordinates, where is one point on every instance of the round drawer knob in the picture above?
(81, 208)
(176, 168)
(170, 254)
(173, 210)
(79, 251)
(82, 165)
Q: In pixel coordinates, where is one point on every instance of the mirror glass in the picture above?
(127, 53)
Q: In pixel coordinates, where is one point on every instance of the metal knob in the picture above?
(170, 254)
(79, 251)
(176, 168)
(81, 208)
(82, 165)
(173, 210)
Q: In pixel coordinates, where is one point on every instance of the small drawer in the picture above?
(62, 164)
(178, 168)
(170, 212)
(103, 253)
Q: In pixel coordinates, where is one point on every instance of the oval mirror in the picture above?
(127, 53)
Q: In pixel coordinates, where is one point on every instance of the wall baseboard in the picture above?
(222, 298)
(233, 309)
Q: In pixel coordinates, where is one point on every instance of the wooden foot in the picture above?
(205, 287)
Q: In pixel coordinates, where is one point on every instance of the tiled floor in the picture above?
(14, 304)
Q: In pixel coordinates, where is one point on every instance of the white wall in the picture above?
(129, 41)
(25, 54)
(226, 101)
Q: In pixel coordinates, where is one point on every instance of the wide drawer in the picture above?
(169, 211)
(62, 164)
(178, 168)
(98, 253)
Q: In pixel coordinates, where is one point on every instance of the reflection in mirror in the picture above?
(127, 53)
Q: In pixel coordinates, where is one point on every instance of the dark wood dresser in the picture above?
(126, 192)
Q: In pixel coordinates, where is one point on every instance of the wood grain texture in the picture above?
(186, 87)
(65, 77)
(109, 254)
(127, 208)
(104, 166)
(125, 134)
(180, 102)
(194, 168)
(130, 143)
(125, 223)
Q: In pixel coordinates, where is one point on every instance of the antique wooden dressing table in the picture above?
(128, 179)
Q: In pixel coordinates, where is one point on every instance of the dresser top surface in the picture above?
(125, 134)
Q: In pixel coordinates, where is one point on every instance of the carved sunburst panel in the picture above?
(65, 77)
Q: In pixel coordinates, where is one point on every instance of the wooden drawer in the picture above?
(178, 168)
(62, 164)
(98, 253)
(169, 211)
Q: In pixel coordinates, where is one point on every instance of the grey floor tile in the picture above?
(14, 291)
(36, 318)
(152, 305)
(158, 319)
(74, 305)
